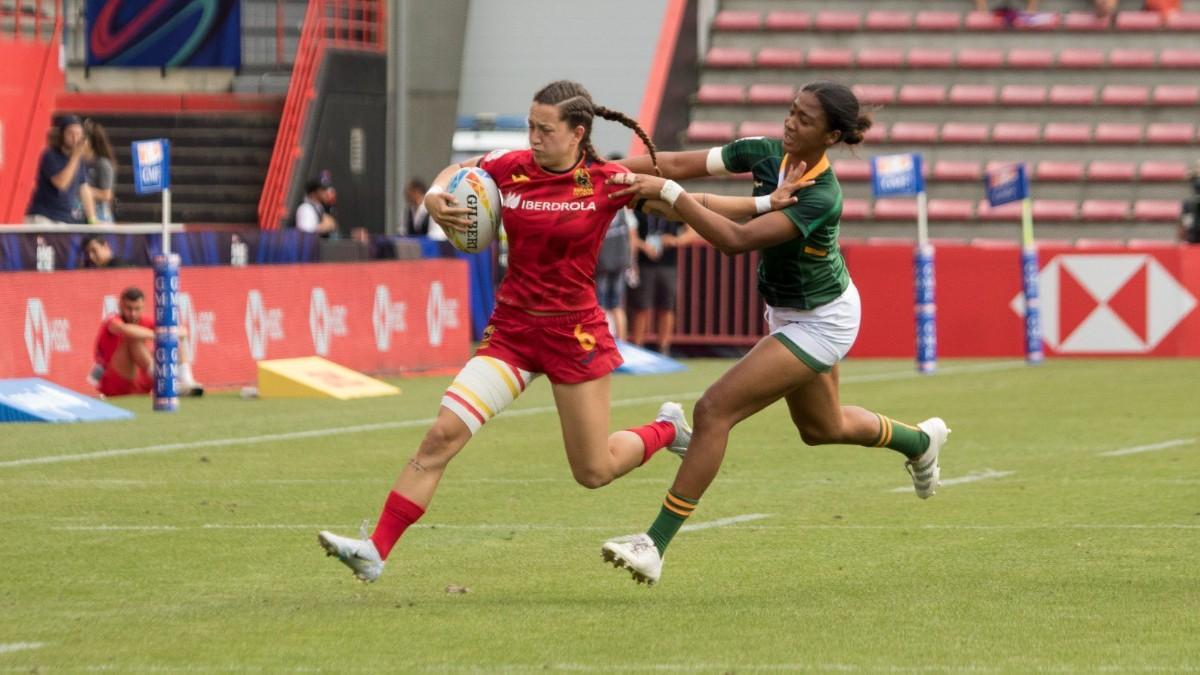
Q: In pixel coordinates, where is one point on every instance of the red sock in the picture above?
(398, 514)
(655, 436)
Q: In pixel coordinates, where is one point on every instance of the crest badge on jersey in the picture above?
(583, 183)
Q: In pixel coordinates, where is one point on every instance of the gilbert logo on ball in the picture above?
(476, 191)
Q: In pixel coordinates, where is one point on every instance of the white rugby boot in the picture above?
(925, 471)
(673, 412)
(638, 554)
(357, 554)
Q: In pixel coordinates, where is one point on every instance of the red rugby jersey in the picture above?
(106, 342)
(556, 224)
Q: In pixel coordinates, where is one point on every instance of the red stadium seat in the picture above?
(768, 129)
(852, 169)
(728, 57)
(877, 133)
(885, 20)
(1081, 58)
(921, 94)
(1084, 21)
(1139, 21)
(838, 21)
(903, 208)
(933, 20)
(775, 57)
(1067, 133)
(972, 94)
(1016, 132)
(875, 94)
(957, 171)
(1118, 133)
(983, 21)
(1030, 58)
(964, 132)
(1125, 95)
(700, 131)
(1045, 21)
(1059, 171)
(1107, 171)
(717, 94)
(1153, 243)
(771, 94)
(881, 57)
(986, 58)
(1104, 210)
(951, 209)
(1055, 210)
(1157, 210)
(920, 57)
(1131, 58)
(1072, 94)
(1023, 94)
(730, 20)
(1164, 171)
(1176, 95)
(914, 132)
(855, 210)
(1179, 58)
(1091, 242)
(1005, 212)
(1170, 133)
(830, 57)
(1184, 21)
(787, 21)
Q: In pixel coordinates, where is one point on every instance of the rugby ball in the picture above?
(475, 190)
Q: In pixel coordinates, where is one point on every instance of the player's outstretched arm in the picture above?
(677, 165)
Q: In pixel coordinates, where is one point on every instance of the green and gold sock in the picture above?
(908, 441)
(675, 510)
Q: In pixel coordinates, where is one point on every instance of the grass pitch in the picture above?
(196, 550)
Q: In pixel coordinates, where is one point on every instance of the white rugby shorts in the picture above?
(820, 337)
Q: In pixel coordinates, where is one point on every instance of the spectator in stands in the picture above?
(614, 266)
(100, 253)
(315, 213)
(124, 363)
(101, 171)
(416, 218)
(657, 241)
(61, 194)
(982, 6)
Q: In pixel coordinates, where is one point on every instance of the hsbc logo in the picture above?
(1123, 303)
(44, 335)
(324, 321)
(263, 324)
(387, 318)
(200, 325)
(440, 313)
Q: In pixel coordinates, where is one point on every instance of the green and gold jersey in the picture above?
(807, 271)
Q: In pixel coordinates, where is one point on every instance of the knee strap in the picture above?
(484, 388)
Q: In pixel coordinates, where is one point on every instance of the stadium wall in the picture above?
(32, 78)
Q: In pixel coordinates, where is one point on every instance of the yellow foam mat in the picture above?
(315, 377)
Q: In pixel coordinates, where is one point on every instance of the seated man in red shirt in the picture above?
(124, 357)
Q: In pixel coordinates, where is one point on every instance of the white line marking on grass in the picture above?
(20, 646)
(404, 424)
(722, 522)
(1148, 448)
(972, 477)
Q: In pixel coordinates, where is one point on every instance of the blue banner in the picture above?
(1033, 312)
(893, 175)
(1007, 183)
(151, 165)
(925, 308)
(166, 332)
(33, 399)
(164, 33)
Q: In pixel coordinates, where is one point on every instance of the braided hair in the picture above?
(576, 107)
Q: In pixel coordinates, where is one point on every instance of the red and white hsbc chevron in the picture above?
(382, 317)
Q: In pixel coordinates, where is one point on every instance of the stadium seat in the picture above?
(1184, 21)
(718, 94)
(1041, 21)
(934, 20)
(1081, 58)
(985, 58)
(921, 94)
(903, 208)
(1139, 21)
(700, 131)
(1175, 95)
(1118, 133)
(1164, 171)
(1104, 210)
(1072, 94)
(956, 170)
(731, 20)
(882, 57)
(1067, 133)
(1023, 94)
(1152, 243)
(852, 170)
(983, 21)
(1084, 21)
(1125, 95)
(1157, 210)
(951, 209)
(914, 132)
(771, 94)
(1055, 210)
(836, 21)
(885, 20)
(728, 57)
(1131, 58)
(1058, 171)
(972, 94)
(1170, 133)
(830, 57)
(1030, 58)
(1005, 212)
(775, 57)
(876, 134)
(921, 57)
(1015, 132)
(1090, 242)
(964, 132)
(875, 94)
(855, 209)
(1110, 171)
(787, 21)
(993, 243)
(768, 129)
(1179, 58)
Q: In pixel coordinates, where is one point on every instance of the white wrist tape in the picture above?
(715, 164)
(670, 192)
(762, 204)
(436, 189)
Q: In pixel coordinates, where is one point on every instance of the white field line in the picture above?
(20, 646)
(1148, 448)
(972, 477)
(403, 424)
(722, 522)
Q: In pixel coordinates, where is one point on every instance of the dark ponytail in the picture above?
(842, 110)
